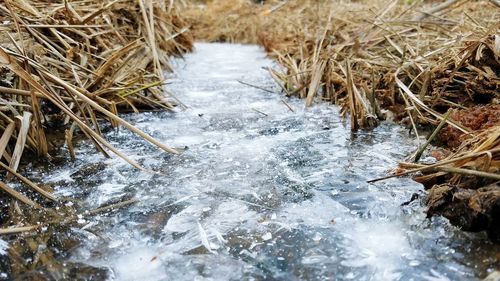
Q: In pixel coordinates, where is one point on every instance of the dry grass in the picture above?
(67, 68)
(74, 64)
(367, 54)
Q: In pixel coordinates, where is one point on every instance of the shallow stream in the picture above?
(260, 192)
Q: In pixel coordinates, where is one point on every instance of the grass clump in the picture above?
(67, 68)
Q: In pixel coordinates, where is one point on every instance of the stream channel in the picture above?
(260, 192)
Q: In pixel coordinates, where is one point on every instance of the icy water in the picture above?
(260, 192)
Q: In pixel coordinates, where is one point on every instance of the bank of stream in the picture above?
(265, 189)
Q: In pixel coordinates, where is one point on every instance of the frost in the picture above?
(267, 236)
(204, 238)
(3, 247)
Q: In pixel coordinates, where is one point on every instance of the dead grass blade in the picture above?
(21, 140)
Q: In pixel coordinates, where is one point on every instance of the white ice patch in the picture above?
(107, 191)
(141, 264)
(379, 245)
(3, 247)
(110, 188)
(232, 214)
(63, 176)
(321, 211)
(185, 221)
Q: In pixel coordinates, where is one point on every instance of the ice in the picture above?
(256, 197)
(267, 236)
(380, 245)
(141, 264)
(185, 220)
(3, 247)
(63, 176)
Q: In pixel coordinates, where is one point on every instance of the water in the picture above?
(260, 192)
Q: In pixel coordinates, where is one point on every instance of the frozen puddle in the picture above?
(260, 193)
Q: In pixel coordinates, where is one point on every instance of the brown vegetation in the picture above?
(66, 67)
(70, 65)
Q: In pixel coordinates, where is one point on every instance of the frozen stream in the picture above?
(260, 193)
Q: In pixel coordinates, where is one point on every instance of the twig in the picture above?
(257, 87)
(429, 167)
(258, 111)
(287, 105)
(496, 2)
(273, 9)
(47, 195)
(433, 135)
(111, 207)
(15, 230)
(469, 172)
(435, 9)
(20, 197)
